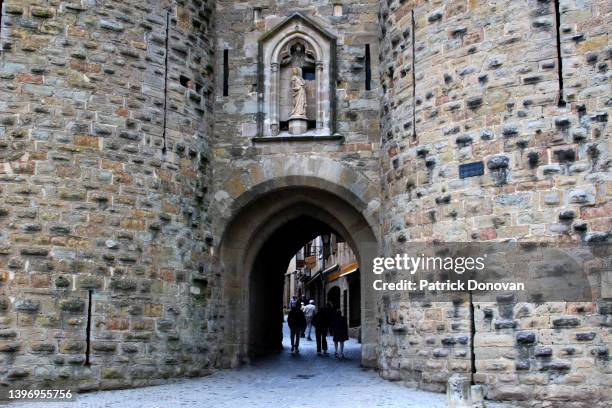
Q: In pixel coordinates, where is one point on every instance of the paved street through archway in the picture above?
(281, 380)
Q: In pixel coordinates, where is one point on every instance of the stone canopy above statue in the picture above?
(296, 79)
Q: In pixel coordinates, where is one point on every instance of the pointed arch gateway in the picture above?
(269, 225)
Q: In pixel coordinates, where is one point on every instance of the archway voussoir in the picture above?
(332, 171)
(236, 186)
(257, 174)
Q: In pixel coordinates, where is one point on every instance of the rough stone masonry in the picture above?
(106, 150)
(128, 141)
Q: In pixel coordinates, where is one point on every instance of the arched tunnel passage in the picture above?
(255, 249)
(267, 278)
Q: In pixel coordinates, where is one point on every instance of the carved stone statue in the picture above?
(298, 91)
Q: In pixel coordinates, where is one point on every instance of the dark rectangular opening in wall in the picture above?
(472, 335)
(284, 125)
(559, 58)
(308, 73)
(166, 60)
(88, 332)
(311, 124)
(225, 72)
(368, 68)
(413, 44)
(184, 81)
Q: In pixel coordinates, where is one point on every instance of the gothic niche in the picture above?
(296, 65)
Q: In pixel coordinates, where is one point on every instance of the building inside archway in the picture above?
(326, 270)
(307, 259)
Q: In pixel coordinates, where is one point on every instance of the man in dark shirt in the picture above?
(296, 322)
(321, 321)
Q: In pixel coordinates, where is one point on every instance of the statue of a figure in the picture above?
(298, 90)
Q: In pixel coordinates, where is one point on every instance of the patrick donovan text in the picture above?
(421, 285)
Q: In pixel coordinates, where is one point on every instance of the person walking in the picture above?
(303, 302)
(321, 321)
(340, 332)
(309, 311)
(292, 302)
(296, 322)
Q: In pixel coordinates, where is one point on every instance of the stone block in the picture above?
(525, 337)
(72, 305)
(103, 347)
(492, 340)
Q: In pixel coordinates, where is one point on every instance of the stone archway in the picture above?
(313, 206)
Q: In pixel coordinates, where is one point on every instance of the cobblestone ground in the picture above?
(283, 380)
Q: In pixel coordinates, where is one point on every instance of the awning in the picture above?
(343, 271)
(322, 273)
(310, 261)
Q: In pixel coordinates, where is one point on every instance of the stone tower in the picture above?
(106, 151)
(520, 89)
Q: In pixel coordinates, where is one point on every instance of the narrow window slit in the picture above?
(559, 57)
(166, 81)
(88, 333)
(414, 135)
(1, 4)
(472, 335)
(368, 68)
(225, 72)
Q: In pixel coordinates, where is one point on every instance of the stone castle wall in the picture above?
(91, 207)
(486, 88)
(106, 196)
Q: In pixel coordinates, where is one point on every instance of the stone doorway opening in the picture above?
(256, 249)
(319, 272)
(302, 258)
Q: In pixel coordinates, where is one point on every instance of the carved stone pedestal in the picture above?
(298, 126)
